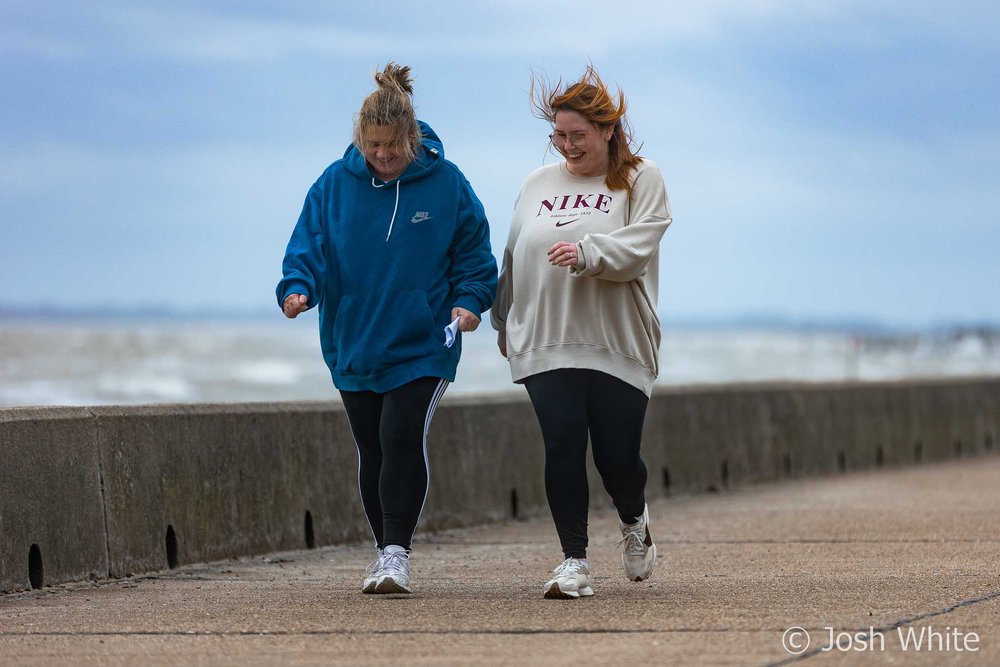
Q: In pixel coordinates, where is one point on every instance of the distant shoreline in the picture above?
(741, 322)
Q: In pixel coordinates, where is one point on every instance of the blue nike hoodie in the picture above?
(386, 262)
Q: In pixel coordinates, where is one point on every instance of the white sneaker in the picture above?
(639, 556)
(394, 576)
(374, 571)
(572, 580)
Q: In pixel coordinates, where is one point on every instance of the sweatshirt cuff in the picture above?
(470, 303)
(295, 288)
(581, 260)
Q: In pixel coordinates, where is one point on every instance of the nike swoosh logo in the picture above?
(563, 224)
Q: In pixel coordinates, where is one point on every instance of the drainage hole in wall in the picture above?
(841, 461)
(666, 478)
(786, 464)
(171, 548)
(310, 535)
(879, 457)
(36, 571)
(724, 473)
(513, 503)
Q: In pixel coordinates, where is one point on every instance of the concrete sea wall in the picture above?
(116, 491)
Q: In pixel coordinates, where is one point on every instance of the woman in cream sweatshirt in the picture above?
(576, 316)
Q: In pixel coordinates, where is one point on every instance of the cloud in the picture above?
(811, 149)
(460, 29)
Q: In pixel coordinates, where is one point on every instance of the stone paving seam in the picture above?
(335, 633)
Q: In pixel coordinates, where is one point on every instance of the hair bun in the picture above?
(395, 76)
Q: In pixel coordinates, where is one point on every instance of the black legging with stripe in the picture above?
(569, 403)
(390, 430)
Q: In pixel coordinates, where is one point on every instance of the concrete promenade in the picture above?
(895, 549)
(117, 491)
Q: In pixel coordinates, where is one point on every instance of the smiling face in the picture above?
(583, 144)
(383, 152)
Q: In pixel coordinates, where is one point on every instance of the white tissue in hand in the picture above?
(451, 333)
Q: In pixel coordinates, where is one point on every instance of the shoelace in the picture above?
(569, 566)
(634, 541)
(396, 562)
(374, 566)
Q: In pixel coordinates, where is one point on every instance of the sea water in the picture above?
(93, 362)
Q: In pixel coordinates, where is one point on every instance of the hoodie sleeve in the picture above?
(304, 267)
(623, 255)
(473, 267)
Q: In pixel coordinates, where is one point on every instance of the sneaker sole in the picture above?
(553, 592)
(369, 586)
(389, 585)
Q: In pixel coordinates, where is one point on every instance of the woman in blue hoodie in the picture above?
(393, 246)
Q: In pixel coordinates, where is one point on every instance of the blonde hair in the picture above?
(390, 105)
(591, 98)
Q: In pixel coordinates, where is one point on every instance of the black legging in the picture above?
(390, 430)
(568, 403)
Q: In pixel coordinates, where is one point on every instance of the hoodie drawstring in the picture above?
(394, 208)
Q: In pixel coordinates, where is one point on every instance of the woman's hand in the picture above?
(467, 321)
(294, 304)
(563, 254)
(502, 342)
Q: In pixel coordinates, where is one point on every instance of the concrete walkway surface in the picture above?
(870, 560)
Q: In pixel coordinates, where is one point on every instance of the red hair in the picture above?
(590, 98)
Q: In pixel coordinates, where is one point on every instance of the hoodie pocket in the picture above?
(374, 332)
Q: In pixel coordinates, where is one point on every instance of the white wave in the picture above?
(88, 364)
(268, 372)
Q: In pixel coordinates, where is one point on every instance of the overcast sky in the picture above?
(823, 159)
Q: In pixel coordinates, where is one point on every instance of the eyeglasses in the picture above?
(559, 139)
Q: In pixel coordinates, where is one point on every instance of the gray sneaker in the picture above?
(373, 572)
(639, 554)
(394, 576)
(572, 580)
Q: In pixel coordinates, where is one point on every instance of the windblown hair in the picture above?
(391, 105)
(591, 98)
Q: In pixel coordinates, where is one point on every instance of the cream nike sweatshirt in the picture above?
(600, 314)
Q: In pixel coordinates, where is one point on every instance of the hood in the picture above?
(427, 161)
